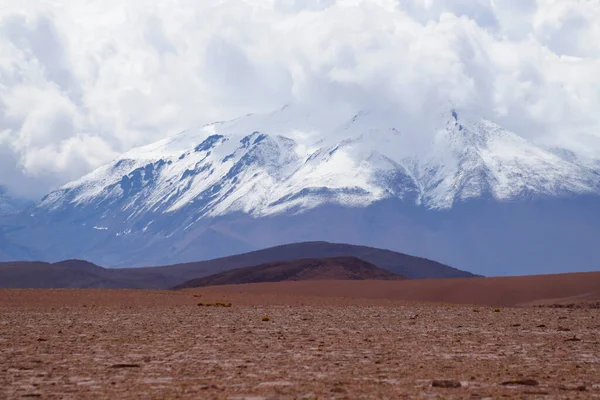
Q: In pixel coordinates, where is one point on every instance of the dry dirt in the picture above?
(504, 291)
(160, 345)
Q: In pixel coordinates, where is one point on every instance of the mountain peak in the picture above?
(368, 177)
(265, 164)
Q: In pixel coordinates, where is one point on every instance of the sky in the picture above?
(82, 81)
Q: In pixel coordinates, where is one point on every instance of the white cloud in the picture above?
(81, 82)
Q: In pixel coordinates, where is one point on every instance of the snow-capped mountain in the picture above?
(266, 165)
(366, 178)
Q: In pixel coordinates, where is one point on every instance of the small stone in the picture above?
(563, 329)
(446, 384)
(525, 382)
(207, 387)
(125, 366)
(580, 388)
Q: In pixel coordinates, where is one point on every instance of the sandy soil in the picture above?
(505, 291)
(160, 345)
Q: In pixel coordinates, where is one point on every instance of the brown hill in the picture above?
(573, 288)
(337, 268)
(81, 274)
(402, 264)
(66, 274)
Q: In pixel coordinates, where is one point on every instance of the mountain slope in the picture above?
(266, 165)
(430, 188)
(11, 251)
(310, 269)
(9, 205)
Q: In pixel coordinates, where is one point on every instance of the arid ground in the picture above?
(352, 344)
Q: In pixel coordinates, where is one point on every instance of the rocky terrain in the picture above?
(73, 344)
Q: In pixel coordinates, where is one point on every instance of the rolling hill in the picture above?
(82, 274)
(338, 268)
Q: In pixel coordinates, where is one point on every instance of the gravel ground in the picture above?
(75, 344)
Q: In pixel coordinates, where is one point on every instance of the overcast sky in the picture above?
(82, 81)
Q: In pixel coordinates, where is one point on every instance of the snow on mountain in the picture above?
(286, 161)
(455, 188)
(472, 158)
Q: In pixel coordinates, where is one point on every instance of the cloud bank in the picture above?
(81, 82)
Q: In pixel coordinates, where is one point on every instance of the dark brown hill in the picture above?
(80, 274)
(76, 274)
(402, 264)
(65, 274)
(336, 268)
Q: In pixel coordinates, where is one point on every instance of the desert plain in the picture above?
(304, 340)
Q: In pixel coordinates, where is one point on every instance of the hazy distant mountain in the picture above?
(10, 205)
(468, 193)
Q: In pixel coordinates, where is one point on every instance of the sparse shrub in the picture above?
(197, 295)
(475, 310)
(217, 304)
(496, 310)
(266, 318)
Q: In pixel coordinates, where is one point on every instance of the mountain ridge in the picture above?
(294, 176)
(227, 169)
